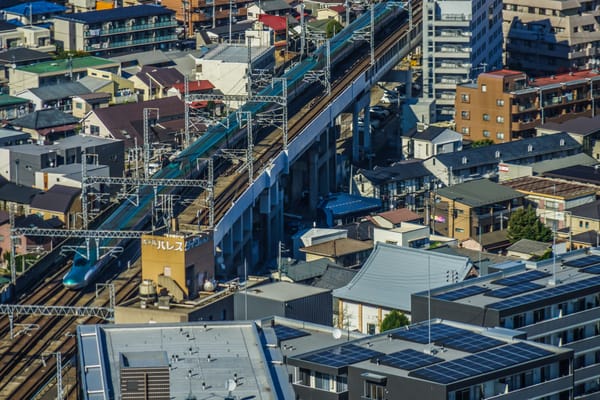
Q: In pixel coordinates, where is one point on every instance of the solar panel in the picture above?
(591, 270)
(420, 334)
(514, 290)
(547, 294)
(470, 342)
(342, 356)
(520, 278)
(480, 363)
(461, 293)
(407, 359)
(583, 261)
(286, 333)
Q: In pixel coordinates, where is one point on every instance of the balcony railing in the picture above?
(126, 43)
(131, 28)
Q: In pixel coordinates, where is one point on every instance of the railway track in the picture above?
(22, 371)
(229, 188)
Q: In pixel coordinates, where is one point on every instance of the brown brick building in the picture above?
(505, 105)
(196, 14)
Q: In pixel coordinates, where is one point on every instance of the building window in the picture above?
(500, 103)
(322, 381)
(465, 130)
(374, 391)
(464, 98)
(304, 378)
(459, 230)
(463, 394)
(94, 130)
(342, 383)
(500, 119)
(371, 329)
(486, 133)
(486, 117)
(500, 135)
(464, 114)
(78, 106)
(484, 88)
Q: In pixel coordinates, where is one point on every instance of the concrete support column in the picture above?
(313, 178)
(355, 135)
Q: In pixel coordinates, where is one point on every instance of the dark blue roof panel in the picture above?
(35, 8)
(92, 17)
(481, 363)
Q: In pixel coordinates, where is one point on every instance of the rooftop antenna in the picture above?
(230, 18)
(429, 304)
(553, 280)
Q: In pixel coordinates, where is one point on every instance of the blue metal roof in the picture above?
(341, 204)
(92, 17)
(35, 8)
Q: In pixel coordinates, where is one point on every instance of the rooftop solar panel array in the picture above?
(286, 333)
(461, 293)
(420, 334)
(520, 278)
(342, 356)
(591, 270)
(514, 290)
(470, 342)
(408, 359)
(480, 363)
(583, 261)
(546, 294)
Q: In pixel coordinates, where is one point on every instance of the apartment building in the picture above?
(438, 361)
(199, 14)
(460, 40)
(505, 105)
(551, 36)
(109, 32)
(555, 302)
(468, 209)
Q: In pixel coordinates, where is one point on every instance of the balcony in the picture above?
(127, 43)
(127, 29)
(524, 125)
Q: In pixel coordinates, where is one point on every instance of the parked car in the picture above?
(379, 112)
(375, 123)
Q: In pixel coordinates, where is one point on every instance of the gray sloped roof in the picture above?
(392, 273)
(527, 246)
(92, 83)
(397, 172)
(334, 277)
(58, 198)
(62, 91)
(274, 5)
(510, 151)
(479, 192)
(564, 162)
(589, 210)
(46, 118)
(12, 192)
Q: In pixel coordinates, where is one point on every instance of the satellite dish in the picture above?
(337, 333)
(230, 385)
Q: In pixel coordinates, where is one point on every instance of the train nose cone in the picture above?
(70, 282)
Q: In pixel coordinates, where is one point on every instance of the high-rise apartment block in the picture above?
(551, 36)
(505, 105)
(460, 40)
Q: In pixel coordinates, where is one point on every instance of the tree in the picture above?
(332, 28)
(524, 224)
(395, 319)
(481, 143)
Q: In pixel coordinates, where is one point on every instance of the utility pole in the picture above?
(13, 247)
(147, 139)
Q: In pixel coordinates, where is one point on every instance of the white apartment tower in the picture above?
(461, 39)
(544, 37)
